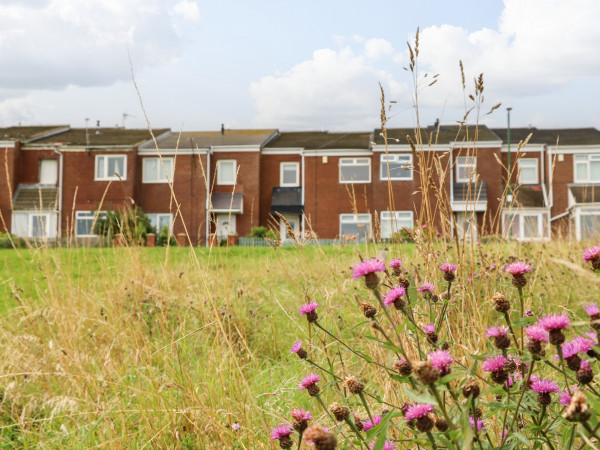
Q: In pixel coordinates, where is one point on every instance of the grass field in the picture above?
(138, 347)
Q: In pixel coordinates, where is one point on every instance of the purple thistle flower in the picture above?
(429, 328)
(592, 336)
(494, 364)
(417, 411)
(554, 322)
(300, 415)
(393, 295)
(297, 346)
(366, 267)
(592, 309)
(280, 432)
(536, 333)
(309, 380)
(585, 365)
(477, 426)
(368, 424)
(496, 331)
(386, 445)
(308, 308)
(518, 268)
(441, 360)
(565, 397)
(426, 288)
(447, 267)
(592, 253)
(396, 263)
(544, 386)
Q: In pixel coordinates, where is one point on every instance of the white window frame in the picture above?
(528, 163)
(349, 162)
(406, 159)
(542, 224)
(358, 219)
(106, 176)
(583, 211)
(50, 228)
(466, 162)
(85, 215)
(220, 179)
(157, 216)
(159, 176)
(394, 217)
(282, 169)
(585, 160)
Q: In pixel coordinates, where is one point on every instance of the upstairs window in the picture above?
(587, 168)
(466, 167)
(355, 170)
(289, 174)
(226, 171)
(400, 167)
(528, 171)
(111, 167)
(155, 171)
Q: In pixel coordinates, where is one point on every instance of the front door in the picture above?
(294, 221)
(48, 171)
(225, 225)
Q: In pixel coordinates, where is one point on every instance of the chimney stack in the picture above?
(222, 129)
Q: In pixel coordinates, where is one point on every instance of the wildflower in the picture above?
(386, 446)
(235, 426)
(353, 385)
(323, 439)
(536, 335)
(358, 422)
(578, 410)
(471, 389)
(394, 297)
(420, 412)
(368, 310)
(301, 418)
(432, 336)
(396, 265)
(310, 311)
(496, 365)
(592, 255)
(369, 269)
(544, 388)
(448, 270)
(369, 424)
(501, 303)
(585, 374)
(426, 288)
(565, 397)
(282, 433)
(403, 367)
(500, 335)
(554, 324)
(477, 425)
(440, 423)
(518, 271)
(340, 412)
(594, 312)
(298, 350)
(571, 349)
(441, 360)
(426, 373)
(310, 384)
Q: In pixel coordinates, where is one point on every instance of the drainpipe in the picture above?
(60, 193)
(508, 177)
(302, 189)
(207, 217)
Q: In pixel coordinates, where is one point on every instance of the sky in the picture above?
(310, 65)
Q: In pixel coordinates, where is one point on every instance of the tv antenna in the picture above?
(125, 116)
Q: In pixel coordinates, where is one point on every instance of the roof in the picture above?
(287, 200)
(34, 197)
(204, 139)
(529, 196)
(224, 202)
(585, 193)
(442, 135)
(30, 133)
(320, 140)
(93, 137)
(564, 136)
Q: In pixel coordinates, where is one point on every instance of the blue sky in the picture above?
(296, 65)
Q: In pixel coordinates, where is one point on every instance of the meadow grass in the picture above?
(136, 347)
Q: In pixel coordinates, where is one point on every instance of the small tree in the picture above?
(132, 223)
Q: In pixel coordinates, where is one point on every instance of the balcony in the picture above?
(469, 197)
(287, 200)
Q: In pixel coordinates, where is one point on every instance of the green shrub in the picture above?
(8, 240)
(131, 223)
(263, 232)
(165, 238)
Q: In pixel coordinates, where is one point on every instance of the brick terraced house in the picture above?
(206, 185)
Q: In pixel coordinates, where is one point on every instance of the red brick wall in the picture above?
(269, 178)
(562, 176)
(29, 164)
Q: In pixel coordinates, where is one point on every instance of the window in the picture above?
(400, 167)
(526, 225)
(154, 172)
(465, 168)
(111, 167)
(34, 224)
(226, 171)
(160, 221)
(587, 168)
(589, 224)
(528, 171)
(289, 174)
(355, 170)
(466, 226)
(393, 221)
(358, 225)
(84, 222)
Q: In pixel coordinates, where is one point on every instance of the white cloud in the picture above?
(335, 88)
(188, 10)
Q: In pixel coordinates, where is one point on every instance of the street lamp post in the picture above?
(509, 196)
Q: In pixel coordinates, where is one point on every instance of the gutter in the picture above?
(207, 210)
(60, 193)
(302, 195)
